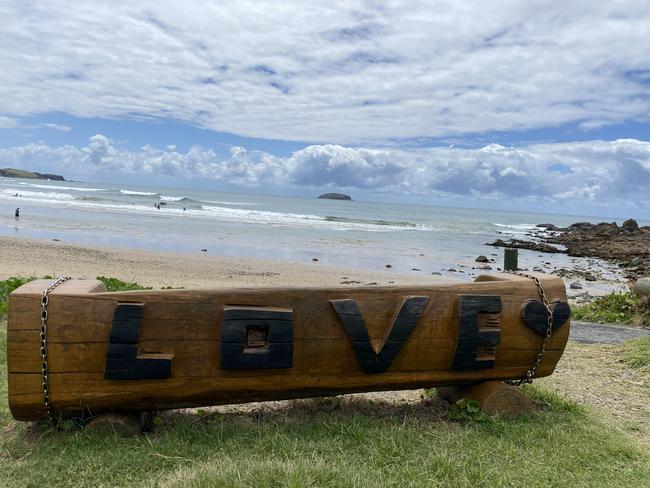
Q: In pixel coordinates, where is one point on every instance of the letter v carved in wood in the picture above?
(399, 331)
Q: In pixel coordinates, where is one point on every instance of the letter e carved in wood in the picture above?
(400, 329)
(122, 359)
(479, 332)
(256, 338)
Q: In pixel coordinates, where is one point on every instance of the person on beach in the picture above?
(17, 213)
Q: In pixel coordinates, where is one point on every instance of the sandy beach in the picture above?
(29, 257)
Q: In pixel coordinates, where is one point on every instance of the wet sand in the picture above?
(28, 257)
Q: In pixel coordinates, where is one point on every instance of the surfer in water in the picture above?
(17, 213)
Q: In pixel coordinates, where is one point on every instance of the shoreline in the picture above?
(36, 257)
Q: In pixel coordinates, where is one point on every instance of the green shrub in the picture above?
(621, 308)
(114, 284)
(6, 287)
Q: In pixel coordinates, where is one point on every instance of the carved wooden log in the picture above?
(179, 348)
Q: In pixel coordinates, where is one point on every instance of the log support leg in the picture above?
(126, 424)
(495, 397)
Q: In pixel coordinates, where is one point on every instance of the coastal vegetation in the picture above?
(344, 441)
(31, 175)
(615, 308)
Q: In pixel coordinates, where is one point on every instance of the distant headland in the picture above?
(335, 196)
(32, 175)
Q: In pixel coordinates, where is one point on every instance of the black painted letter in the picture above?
(401, 328)
(122, 361)
(476, 343)
(256, 338)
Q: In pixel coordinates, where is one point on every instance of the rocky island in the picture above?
(335, 196)
(31, 175)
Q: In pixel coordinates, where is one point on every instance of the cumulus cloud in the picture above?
(595, 173)
(346, 72)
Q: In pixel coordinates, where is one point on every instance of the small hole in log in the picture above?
(257, 337)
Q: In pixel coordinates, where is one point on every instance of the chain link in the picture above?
(530, 374)
(45, 300)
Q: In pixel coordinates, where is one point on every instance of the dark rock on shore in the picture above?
(628, 244)
(335, 196)
(482, 259)
(530, 245)
(546, 226)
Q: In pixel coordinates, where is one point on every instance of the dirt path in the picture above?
(590, 333)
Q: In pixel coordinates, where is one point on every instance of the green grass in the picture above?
(636, 353)
(330, 442)
(114, 284)
(305, 445)
(615, 308)
(17, 173)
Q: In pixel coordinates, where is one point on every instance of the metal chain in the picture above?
(44, 368)
(530, 374)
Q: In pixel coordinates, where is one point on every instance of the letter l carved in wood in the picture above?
(400, 329)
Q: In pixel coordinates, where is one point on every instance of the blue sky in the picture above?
(531, 105)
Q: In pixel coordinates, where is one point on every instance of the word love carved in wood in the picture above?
(256, 338)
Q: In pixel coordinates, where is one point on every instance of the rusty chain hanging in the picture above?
(530, 374)
(43, 337)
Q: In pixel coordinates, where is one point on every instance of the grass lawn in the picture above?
(358, 440)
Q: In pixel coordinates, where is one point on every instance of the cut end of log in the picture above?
(495, 398)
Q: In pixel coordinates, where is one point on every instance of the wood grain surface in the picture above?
(249, 344)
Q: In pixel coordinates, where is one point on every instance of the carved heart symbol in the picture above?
(535, 315)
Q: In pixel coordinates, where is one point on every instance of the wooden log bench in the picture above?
(149, 350)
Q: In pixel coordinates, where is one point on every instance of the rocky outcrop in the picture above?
(335, 196)
(530, 245)
(628, 245)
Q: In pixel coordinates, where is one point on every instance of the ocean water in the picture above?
(413, 239)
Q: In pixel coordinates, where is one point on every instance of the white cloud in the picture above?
(594, 173)
(62, 128)
(337, 71)
(8, 123)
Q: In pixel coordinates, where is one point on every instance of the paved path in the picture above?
(588, 333)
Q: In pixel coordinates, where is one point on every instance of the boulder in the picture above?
(643, 286)
(546, 226)
(631, 225)
(482, 259)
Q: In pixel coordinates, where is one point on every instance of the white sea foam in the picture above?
(216, 202)
(516, 226)
(143, 193)
(516, 229)
(165, 198)
(56, 187)
(36, 195)
(298, 220)
(214, 213)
